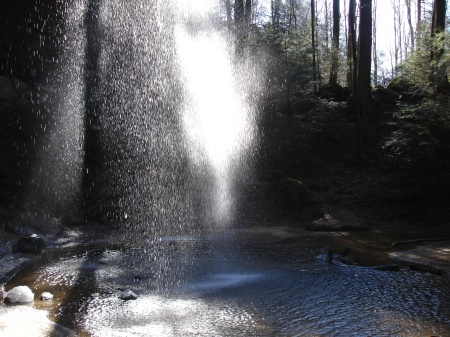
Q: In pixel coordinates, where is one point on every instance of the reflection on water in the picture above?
(252, 290)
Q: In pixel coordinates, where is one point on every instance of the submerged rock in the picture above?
(46, 296)
(342, 224)
(426, 269)
(31, 244)
(20, 294)
(387, 267)
(127, 295)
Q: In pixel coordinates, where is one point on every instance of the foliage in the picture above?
(420, 139)
(287, 55)
(420, 68)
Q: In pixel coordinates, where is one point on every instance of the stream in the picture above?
(193, 287)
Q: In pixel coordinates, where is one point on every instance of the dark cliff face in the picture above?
(30, 39)
(30, 32)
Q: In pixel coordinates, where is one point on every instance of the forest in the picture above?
(364, 127)
(345, 122)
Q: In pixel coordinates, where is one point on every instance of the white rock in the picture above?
(46, 296)
(24, 321)
(127, 294)
(20, 294)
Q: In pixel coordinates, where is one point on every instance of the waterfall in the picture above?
(216, 119)
(174, 121)
(55, 183)
(153, 119)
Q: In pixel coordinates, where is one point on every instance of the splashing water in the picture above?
(216, 120)
(57, 175)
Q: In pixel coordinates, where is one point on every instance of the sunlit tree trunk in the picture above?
(335, 49)
(411, 29)
(396, 29)
(374, 44)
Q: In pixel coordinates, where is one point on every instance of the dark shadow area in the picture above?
(93, 158)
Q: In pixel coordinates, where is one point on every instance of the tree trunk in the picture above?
(365, 55)
(335, 50)
(374, 44)
(355, 91)
(313, 42)
(239, 25)
(400, 31)
(229, 17)
(351, 43)
(247, 16)
(327, 27)
(396, 28)
(419, 20)
(411, 29)
(292, 16)
(439, 75)
(275, 13)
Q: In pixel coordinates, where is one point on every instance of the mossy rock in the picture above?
(400, 84)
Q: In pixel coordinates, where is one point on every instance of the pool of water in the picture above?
(213, 288)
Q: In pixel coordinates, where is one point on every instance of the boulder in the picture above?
(382, 95)
(336, 93)
(46, 296)
(31, 244)
(20, 294)
(127, 295)
(400, 84)
(7, 91)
